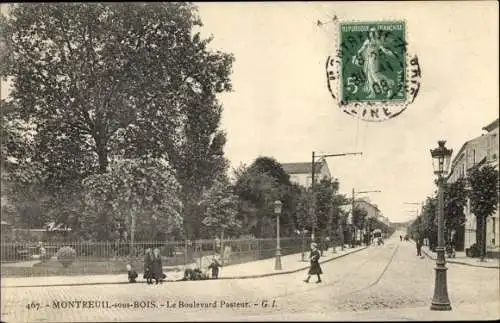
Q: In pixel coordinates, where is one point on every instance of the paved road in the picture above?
(372, 284)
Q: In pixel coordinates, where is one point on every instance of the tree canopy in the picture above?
(103, 81)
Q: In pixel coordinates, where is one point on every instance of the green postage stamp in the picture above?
(372, 76)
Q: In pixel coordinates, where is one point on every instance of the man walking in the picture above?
(420, 242)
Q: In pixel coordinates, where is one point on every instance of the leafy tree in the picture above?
(118, 80)
(271, 167)
(257, 193)
(358, 218)
(220, 206)
(325, 192)
(303, 210)
(455, 200)
(483, 199)
(141, 193)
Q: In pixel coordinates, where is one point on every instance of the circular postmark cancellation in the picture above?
(371, 75)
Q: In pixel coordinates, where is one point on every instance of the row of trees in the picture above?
(245, 207)
(480, 187)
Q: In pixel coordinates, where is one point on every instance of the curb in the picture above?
(460, 262)
(174, 281)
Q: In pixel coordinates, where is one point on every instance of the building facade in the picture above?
(301, 173)
(478, 151)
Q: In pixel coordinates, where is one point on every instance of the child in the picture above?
(315, 268)
(214, 265)
(132, 274)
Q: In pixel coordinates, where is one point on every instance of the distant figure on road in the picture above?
(420, 242)
(400, 238)
(315, 268)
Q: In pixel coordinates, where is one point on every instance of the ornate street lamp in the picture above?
(277, 212)
(441, 157)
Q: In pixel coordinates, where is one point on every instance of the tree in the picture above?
(257, 193)
(429, 220)
(141, 194)
(483, 199)
(220, 206)
(358, 218)
(325, 192)
(119, 80)
(455, 200)
(257, 187)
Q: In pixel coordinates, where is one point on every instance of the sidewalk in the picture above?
(260, 268)
(462, 259)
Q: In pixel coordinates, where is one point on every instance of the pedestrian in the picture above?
(147, 266)
(156, 266)
(400, 238)
(214, 266)
(315, 268)
(420, 242)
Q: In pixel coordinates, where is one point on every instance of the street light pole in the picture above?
(277, 212)
(314, 156)
(441, 158)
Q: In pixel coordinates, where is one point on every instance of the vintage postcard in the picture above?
(249, 161)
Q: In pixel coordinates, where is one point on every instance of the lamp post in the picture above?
(313, 164)
(277, 212)
(441, 161)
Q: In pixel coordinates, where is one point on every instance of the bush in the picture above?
(66, 256)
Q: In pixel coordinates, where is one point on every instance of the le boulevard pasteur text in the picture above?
(152, 304)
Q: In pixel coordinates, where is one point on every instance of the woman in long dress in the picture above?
(369, 51)
(147, 266)
(315, 268)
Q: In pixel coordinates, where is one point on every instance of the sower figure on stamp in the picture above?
(315, 268)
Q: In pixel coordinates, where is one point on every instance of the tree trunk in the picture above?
(132, 233)
(483, 238)
(222, 247)
(101, 150)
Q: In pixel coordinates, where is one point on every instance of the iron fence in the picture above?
(29, 259)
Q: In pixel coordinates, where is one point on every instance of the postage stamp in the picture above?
(372, 76)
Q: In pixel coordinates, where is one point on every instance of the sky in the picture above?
(280, 105)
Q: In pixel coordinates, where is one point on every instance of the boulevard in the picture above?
(376, 283)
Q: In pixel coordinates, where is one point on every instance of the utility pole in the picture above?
(313, 211)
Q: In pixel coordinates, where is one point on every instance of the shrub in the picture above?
(66, 256)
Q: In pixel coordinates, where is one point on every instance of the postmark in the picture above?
(371, 75)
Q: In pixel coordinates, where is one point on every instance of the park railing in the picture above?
(28, 259)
